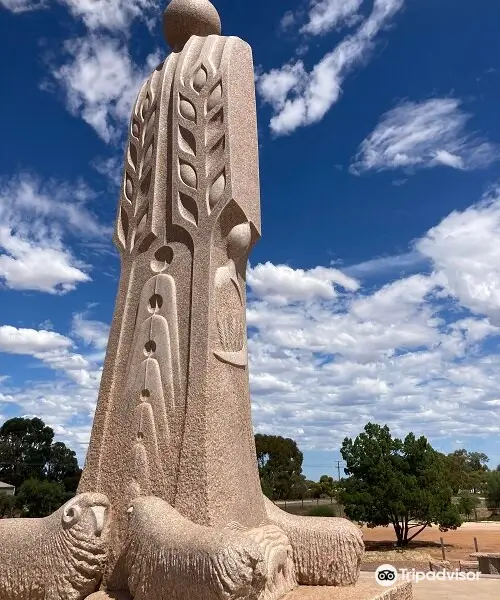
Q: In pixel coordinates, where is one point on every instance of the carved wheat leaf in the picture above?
(216, 190)
(188, 174)
(187, 110)
(188, 208)
(187, 142)
(122, 227)
(215, 97)
(200, 78)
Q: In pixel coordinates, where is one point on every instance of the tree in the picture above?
(37, 498)
(327, 486)
(299, 488)
(493, 489)
(466, 470)
(27, 452)
(25, 446)
(467, 503)
(62, 466)
(7, 505)
(395, 482)
(280, 465)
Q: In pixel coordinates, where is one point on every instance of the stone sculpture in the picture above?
(61, 557)
(172, 443)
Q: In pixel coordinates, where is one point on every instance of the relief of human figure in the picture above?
(229, 299)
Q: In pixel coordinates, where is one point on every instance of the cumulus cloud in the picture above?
(114, 15)
(281, 284)
(53, 349)
(35, 218)
(465, 250)
(424, 134)
(301, 98)
(101, 82)
(327, 354)
(404, 354)
(31, 341)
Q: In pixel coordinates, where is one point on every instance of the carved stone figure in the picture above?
(60, 557)
(172, 444)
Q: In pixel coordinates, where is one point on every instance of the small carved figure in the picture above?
(59, 557)
(230, 304)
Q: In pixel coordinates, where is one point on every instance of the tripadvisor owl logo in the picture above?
(386, 575)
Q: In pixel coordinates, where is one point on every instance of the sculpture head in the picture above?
(89, 513)
(184, 18)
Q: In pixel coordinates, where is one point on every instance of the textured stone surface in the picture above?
(169, 557)
(362, 590)
(174, 402)
(326, 550)
(172, 437)
(184, 18)
(60, 557)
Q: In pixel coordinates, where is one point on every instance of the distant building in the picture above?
(6, 488)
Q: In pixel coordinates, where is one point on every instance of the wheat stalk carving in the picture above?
(200, 144)
(133, 215)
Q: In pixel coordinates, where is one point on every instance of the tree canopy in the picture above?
(493, 489)
(45, 473)
(280, 466)
(466, 470)
(396, 482)
(25, 446)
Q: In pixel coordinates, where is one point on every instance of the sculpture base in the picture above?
(363, 590)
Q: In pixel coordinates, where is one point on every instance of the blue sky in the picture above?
(374, 293)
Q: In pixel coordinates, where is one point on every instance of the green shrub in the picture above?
(321, 511)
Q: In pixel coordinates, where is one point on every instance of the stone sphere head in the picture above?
(184, 18)
(238, 241)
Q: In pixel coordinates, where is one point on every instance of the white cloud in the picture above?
(403, 355)
(328, 355)
(325, 15)
(288, 20)
(465, 250)
(280, 284)
(303, 98)
(31, 341)
(427, 134)
(20, 6)
(27, 265)
(407, 262)
(101, 83)
(35, 218)
(93, 333)
(115, 15)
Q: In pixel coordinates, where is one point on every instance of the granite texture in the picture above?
(60, 557)
(326, 550)
(172, 443)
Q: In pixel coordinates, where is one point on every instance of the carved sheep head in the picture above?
(89, 511)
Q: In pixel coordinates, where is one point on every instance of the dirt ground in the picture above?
(426, 546)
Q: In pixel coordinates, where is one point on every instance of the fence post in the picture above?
(443, 550)
(475, 544)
